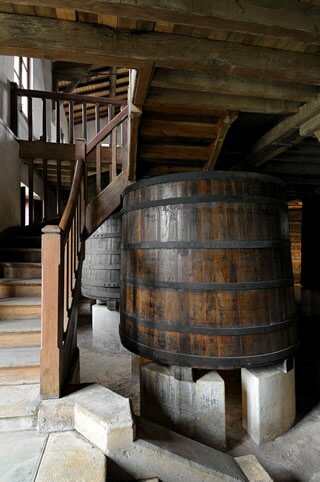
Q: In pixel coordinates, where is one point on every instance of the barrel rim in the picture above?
(189, 176)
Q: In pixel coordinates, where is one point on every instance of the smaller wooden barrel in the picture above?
(101, 267)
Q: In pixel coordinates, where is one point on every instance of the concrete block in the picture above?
(268, 401)
(194, 409)
(252, 468)
(69, 457)
(100, 415)
(105, 327)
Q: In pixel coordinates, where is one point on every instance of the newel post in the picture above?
(51, 313)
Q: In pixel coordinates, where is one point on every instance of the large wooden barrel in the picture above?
(101, 267)
(206, 274)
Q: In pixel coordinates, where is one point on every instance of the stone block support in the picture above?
(268, 401)
(195, 409)
(105, 327)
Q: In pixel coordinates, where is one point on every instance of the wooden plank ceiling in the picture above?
(225, 84)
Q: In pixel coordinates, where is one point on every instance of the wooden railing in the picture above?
(56, 173)
(62, 256)
(78, 108)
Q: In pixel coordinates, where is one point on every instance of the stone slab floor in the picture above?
(27, 456)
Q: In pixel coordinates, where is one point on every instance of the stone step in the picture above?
(20, 270)
(19, 407)
(31, 255)
(11, 287)
(19, 365)
(18, 333)
(22, 307)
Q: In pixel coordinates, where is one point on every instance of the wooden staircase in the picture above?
(20, 306)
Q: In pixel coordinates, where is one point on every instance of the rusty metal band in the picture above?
(257, 285)
(197, 361)
(199, 176)
(210, 200)
(207, 245)
(195, 329)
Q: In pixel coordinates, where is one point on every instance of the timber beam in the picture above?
(273, 19)
(289, 132)
(98, 44)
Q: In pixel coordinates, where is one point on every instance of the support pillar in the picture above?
(105, 327)
(268, 400)
(195, 409)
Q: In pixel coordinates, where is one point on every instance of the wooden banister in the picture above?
(89, 99)
(105, 131)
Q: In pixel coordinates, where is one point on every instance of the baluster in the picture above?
(70, 271)
(71, 172)
(45, 188)
(65, 286)
(30, 186)
(98, 169)
(84, 121)
(14, 108)
(59, 197)
(97, 117)
(114, 154)
(58, 122)
(44, 120)
(110, 117)
(23, 206)
(71, 122)
(30, 125)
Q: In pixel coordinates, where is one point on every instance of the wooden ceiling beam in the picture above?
(93, 43)
(224, 124)
(162, 97)
(278, 19)
(283, 136)
(232, 85)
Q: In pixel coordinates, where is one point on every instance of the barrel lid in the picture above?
(186, 176)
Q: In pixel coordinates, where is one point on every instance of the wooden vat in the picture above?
(206, 274)
(101, 267)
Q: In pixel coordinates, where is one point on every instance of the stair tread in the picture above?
(20, 281)
(21, 301)
(24, 325)
(18, 357)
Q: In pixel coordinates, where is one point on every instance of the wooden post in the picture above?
(23, 206)
(58, 122)
(51, 311)
(14, 108)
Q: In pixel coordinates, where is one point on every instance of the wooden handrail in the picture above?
(42, 94)
(117, 120)
(68, 214)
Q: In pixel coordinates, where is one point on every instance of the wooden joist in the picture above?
(152, 151)
(300, 22)
(84, 42)
(231, 85)
(170, 128)
(162, 97)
